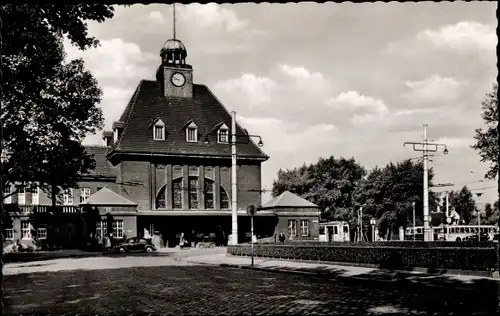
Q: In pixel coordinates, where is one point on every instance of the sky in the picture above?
(314, 80)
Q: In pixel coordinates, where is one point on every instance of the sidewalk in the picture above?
(346, 272)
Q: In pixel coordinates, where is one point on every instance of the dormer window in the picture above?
(159, 130)
(223, 134)
(192, 132)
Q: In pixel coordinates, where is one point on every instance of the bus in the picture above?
(334, 231)
(418, 235)
(452, 232)
(461, 232)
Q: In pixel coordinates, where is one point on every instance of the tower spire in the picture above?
(174, 19)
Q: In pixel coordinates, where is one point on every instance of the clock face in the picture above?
(178, 79)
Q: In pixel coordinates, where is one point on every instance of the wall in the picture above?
(135, 186)
(282, 226)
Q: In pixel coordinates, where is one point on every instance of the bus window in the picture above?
(467, 230)
(322, 230)
(346, 229)
(452, 230)
(335, 230)
(419, 230)
(462, 230)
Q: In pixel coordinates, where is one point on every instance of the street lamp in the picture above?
(413, 204)
(234, 197)
(426, 147)
(251, 211)
(372, 222)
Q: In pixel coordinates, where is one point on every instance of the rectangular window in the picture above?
(224, 199)
(101, 229)
(118, 229)
(322, 230)
(25, 230)
(292, 228)
(209, 195)
(68, 197)
(304, 228)
(35, 196)
(191, 134)
(21, 195)
(177, 192)
(42, 231)
(223, 136)
(84, 194)
(6, 191)
(193, 193)
(9, 234)
(335, 230)
(159, 133)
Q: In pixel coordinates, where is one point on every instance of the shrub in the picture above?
(483, 258)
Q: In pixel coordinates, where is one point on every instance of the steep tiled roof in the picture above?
(148, 103)
(103, 167)
(289, 200)
(105, 197)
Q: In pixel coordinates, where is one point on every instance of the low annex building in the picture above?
(297, 218)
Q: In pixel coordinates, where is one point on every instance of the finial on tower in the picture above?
(174, 19)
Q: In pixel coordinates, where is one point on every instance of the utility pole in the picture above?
(234, 186)
(413, 221)
(425, 148)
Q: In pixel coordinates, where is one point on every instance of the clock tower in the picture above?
(174, 74)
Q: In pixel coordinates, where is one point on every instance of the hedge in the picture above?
(482, 258)
(399, 244)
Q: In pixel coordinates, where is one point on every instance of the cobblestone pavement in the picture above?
(211, 290)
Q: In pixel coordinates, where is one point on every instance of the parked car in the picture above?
(134, 245)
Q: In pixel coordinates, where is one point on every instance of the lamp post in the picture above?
(425, 149)
(372, 222)
(479, 219)
(251, 211)
(234, 197)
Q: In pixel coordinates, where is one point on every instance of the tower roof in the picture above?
(175, 46)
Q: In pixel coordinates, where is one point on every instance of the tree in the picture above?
(48, 104)
(489, 216)
(388, 194)
(487, 140)
(464, 204)
(330, 184)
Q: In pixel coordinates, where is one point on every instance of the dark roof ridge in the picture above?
(132, 108)
(225, 109)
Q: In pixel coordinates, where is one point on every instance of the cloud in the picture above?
(290, 138)
(353, 99)
(156, 17)
(304, 79)
(114, 58)
(434, 89)
(463, 37)
(256, 90)
(211, 15)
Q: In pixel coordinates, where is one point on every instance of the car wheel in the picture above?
(149, 249)
(122, 250)
(459, 239)
(202, 246)
(212, 245)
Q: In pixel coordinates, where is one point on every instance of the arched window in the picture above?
(160, 198)
(177, 193)
(224, 198)
(209, 194)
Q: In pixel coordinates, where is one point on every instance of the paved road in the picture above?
(177, 288)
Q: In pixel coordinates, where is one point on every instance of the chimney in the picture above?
(107, 136)
(117, 130)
